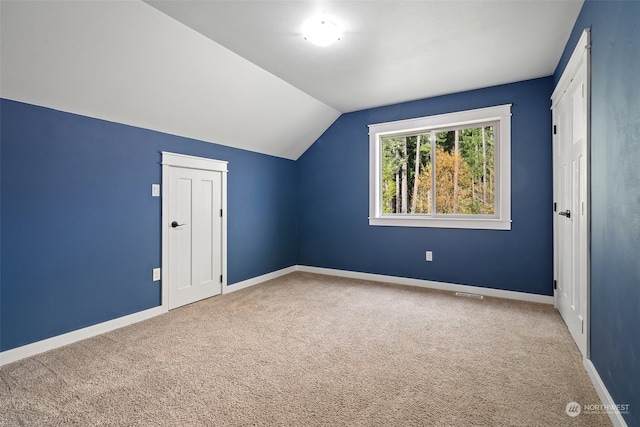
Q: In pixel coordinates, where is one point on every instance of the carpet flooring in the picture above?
(313, 350)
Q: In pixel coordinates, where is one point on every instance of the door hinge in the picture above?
(555, 285)
(221, 278)
(582, 322)
(220, 212)
(555, 207)
(555, 129)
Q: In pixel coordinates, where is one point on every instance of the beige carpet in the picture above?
(311, 350)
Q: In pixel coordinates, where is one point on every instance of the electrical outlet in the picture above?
(429, 256)
(156, 274)
(155, 190)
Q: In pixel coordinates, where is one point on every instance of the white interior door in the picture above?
(194, 234)
(570, 118)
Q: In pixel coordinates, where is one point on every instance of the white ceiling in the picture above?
(126, 62)
(391, 51)
(239, 73)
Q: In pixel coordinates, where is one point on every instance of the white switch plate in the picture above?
(156, 274)
(155, 190)
(429, 256)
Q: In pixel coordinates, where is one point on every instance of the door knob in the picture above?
(175, 224)
(566, 213)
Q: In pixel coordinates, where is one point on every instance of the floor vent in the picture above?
(468, 295)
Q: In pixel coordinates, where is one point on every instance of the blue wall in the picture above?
(333, 175)
(615, 194)
(81, 232)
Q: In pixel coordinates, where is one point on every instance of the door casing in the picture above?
(170, 160)
(581, 55)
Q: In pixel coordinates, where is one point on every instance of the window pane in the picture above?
(465, 171)
(406, 174)
(442, 171)
(423, 186)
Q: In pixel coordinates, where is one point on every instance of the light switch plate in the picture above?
(155, 190)
(429, 256)
(156, 274)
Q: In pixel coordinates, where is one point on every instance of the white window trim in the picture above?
(502, 219)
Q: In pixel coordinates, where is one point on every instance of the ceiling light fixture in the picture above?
(321, 32)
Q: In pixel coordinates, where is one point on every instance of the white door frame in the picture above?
(580, 55)
(170, 160)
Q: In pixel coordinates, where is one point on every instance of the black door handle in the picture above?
(175, 224)
(566, 213)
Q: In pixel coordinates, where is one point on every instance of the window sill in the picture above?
(475, 223)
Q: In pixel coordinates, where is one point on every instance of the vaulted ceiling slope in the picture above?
(391, 51)
(129, 63)
(239, 73)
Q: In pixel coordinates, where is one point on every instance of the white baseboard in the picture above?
(616, 417)
(28, 350)
(498, 293)
(259, 279)
(33, 349)
(38, 347)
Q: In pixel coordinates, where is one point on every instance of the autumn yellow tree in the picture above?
(449, 200)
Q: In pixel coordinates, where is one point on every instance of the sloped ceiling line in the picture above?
(129, 63)
(239, 73)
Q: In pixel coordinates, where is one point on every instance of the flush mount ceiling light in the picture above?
(321, 32)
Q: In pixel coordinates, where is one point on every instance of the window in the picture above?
(451, 170)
